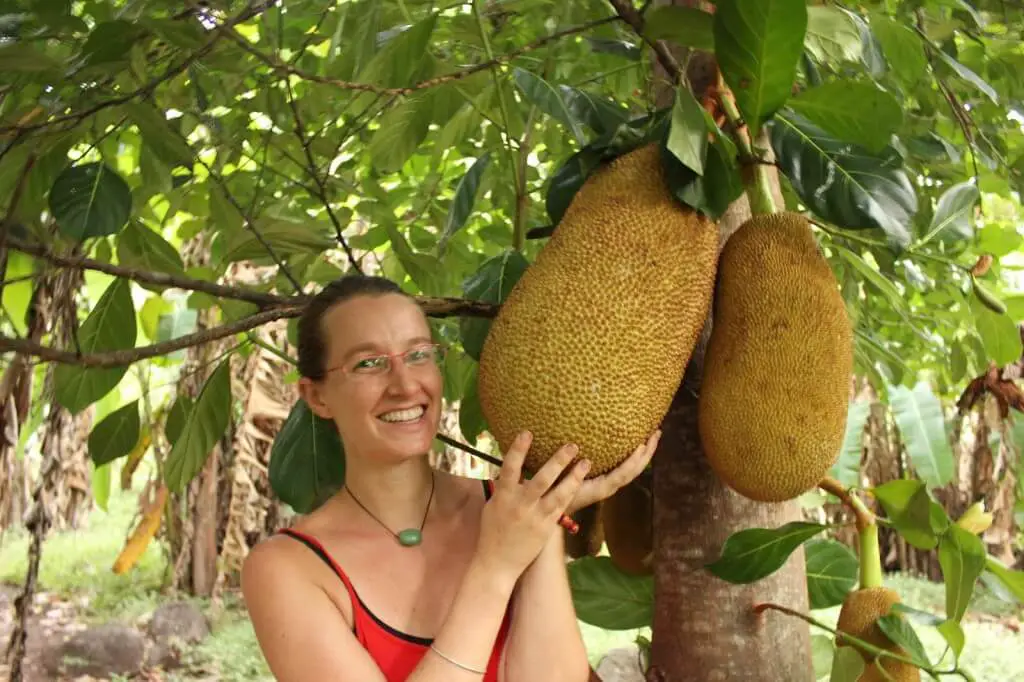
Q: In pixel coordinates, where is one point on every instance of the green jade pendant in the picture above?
(410, 537)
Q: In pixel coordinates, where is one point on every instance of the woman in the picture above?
(408, 573)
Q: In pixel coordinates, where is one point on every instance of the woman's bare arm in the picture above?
(545, 641)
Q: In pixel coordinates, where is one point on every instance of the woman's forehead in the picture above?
(375, 320)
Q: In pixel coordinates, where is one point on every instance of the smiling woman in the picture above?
(408, 573)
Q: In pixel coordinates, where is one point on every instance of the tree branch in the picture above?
(157, 278)
(631, 16)
(120, 358)
(289, 70)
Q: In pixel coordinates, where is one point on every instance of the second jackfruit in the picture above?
(773, 402)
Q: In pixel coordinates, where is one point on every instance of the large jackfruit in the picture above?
(859, 618)
(590, 345)
(775, 388)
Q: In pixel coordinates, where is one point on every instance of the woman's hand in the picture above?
(604, 486)
(521, 516)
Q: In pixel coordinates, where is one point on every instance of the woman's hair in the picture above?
(312, 344)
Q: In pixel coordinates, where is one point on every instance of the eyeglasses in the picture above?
(377, 365)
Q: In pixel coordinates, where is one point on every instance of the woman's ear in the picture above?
(310, 392)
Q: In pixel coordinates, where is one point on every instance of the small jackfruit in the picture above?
(858, 618)
(589, 539)
(628, 520)
(775, 388)
(591, 344)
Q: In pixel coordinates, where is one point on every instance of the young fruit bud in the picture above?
(975, 520)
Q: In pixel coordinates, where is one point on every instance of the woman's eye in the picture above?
(367, 364)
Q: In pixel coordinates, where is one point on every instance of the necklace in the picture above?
(410, 537)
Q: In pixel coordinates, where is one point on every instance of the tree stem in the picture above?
(755, 174)
(861, 512)
(867, 531)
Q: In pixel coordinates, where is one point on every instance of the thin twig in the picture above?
(632, 17)
(864, 516)
(468, 449)
(321, 192)
(287, 69)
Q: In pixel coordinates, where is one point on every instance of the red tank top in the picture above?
(396, 653)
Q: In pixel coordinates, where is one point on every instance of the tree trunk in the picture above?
(705, 628)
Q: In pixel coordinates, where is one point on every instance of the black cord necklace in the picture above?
(410, 537)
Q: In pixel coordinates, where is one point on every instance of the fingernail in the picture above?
(573, 448)
(585, 465)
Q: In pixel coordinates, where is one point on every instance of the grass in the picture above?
(76, 565)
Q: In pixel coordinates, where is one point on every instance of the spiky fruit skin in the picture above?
(858, 618)
(590, 345)
(628, 521)
(773, 402)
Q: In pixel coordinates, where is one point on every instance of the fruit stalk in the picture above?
(758, 184)
(867, 531)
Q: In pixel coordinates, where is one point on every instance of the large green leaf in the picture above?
(912, 512)
(608, 598)
(846, 470)
(922, 424)
(90, 200)
(903, 49)
(110, 326)
(1010, 579)
(832, 35)
(688, 132)
(115, 435)
(548, 99)
(758, 46)
(307, 460)
(169, 146)
(684, 26)
(953, 219)
(492, 283)
(755, 553)
(285, 237)
(842, 183)
(998, 332)
(832, 571)
(465, 197)
(962, 558)
(853, 111)
(144, 249)
(204, 425)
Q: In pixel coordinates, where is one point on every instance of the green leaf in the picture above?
(902, 48)
(846, 470)
(608, 598)
(832, 571)
(912, 512)
(284, 236)
(101, 486)
(968, 75)
(954, 636)
(842, 183)
(755, 553)
(683, 26)
(953, 219)
(568, 179)
(853, 111)
(962, 558)
(758, 46)
(545, 97)
(17, 292)
(109, 327)
(168, 145)
(1012, 580)
(307, 460)
(465, 197)
(144, 249)
(471, 415)
(922, 424)
(90, 200)
(847, 665)
(25, 58)
(177, 416)
(999, 333)
(115, 435)
(822, 652)
(204, 425)
(688, 132)
(832, 36)
(402, 129)
(901, 632)
(872, 276)
(401, 58)
(492, 283)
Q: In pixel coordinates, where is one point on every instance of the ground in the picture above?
(78, 589)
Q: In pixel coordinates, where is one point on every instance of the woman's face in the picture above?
(385, 408)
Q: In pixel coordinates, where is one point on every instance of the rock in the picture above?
(172, 628)
(621, 665)
(102, 651)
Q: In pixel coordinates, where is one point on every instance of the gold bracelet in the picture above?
(456, 663)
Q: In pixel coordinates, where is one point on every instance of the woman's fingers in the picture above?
(512, 463)
(558, 498)
(552, 469)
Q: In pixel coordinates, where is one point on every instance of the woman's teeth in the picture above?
(411, 414)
